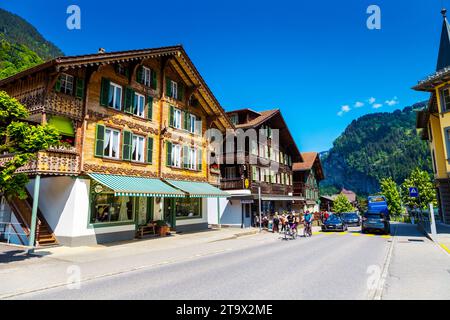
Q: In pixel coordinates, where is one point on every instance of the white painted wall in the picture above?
(64, 202)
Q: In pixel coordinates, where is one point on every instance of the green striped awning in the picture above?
(198, 189)
(136, 186)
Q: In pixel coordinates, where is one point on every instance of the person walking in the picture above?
(276, 223)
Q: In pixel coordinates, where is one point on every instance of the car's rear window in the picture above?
(373, 215)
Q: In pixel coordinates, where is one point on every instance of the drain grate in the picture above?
(416, 240)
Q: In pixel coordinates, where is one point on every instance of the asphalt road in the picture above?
(326, 266)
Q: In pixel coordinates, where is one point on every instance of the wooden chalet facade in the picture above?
(259, 165)
(132, 125)
(307, 175)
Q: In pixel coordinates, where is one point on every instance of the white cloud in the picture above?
(392, 102)
(377, 105)
(344, 109)
(372, 100)
(359, 104)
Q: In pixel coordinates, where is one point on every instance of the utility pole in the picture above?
(260, 215)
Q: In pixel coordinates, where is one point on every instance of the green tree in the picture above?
(341, 204)
(390, 190)
(22, 141)
(427, 192)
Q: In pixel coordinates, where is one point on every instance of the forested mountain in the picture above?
(372, 147)
(21, 45)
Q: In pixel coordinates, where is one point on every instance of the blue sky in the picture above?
(315, 60)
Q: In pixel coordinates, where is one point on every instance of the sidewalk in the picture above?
(443, 235)
(418, 268)
(55, 266)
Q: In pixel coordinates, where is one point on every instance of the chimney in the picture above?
(101, 50)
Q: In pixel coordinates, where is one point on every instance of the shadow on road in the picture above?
(8, 255)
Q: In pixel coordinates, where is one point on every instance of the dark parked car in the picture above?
(352, 219)
(334, 223)
(375, 221)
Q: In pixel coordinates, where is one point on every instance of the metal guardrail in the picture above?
(8, 230)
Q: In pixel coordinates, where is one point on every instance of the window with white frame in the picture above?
(66, 83)
(137, 151)
(174, 89)
(192, 120)
(115, 96)
(146, 76)
(234, 119)
(177, 118)
(139, 104)
(192, 158)
(112, 143)
(176, 155)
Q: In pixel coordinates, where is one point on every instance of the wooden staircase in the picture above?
(22, 210)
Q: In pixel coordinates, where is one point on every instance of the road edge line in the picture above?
(379, 290)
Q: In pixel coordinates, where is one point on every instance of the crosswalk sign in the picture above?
(414, 192)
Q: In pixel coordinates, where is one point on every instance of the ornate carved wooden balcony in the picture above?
(37, 101)
(51, 162)
(63, 104)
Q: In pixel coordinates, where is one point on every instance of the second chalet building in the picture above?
(265, 166)
(132, 126)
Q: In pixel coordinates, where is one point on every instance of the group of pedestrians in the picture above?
(281, 222)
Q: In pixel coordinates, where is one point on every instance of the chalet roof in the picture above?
(351, 196)
(442, 73)
(285, 134)
(183, 63)
(244, 110)
(264, 116)
(310, 159)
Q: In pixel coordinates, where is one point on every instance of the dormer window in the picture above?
(146, 76)
(173, 89)
(234, 119)
(66, 84)
(445, 94)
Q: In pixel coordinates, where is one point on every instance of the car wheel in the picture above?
(363, 231)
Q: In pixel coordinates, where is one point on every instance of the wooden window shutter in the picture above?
(104, 92)
(199, 159)
(150, 150)
(168, 88)
(186, 120)
(127, 143)
(139, 74)
(150, 107)
(199, 127)
(79, 91)
(129, 100)
(171, 110)
(58, 84)
(153, 81)
(185, 157)
(99, 140)
(180, 91)
(168, 153)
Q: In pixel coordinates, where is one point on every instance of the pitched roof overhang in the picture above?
(310, 160)
(189, 74)
(285, 135)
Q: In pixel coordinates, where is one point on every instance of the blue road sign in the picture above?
(413, 192)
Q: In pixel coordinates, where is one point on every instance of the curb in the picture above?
(438, 244)
(236, 236)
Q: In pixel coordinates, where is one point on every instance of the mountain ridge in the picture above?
(375, 146)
